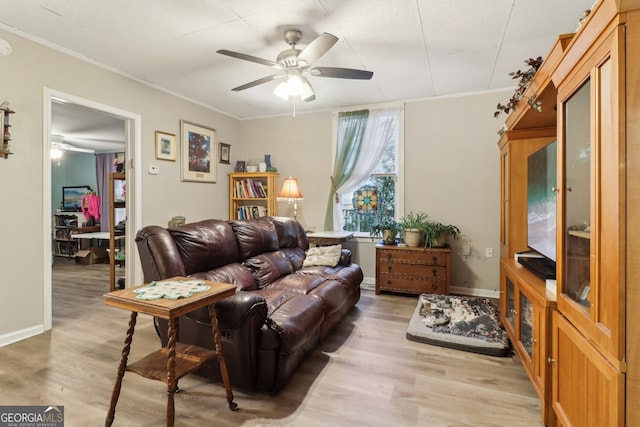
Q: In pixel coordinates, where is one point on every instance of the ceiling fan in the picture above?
(294, 64)
(57, 142)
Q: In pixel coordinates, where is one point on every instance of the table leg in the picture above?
(172, 384)
(121, 368)
(224, 373)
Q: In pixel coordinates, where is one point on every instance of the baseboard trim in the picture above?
(20, 335)
(369, 284)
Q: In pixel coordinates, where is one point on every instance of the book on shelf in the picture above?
(251, 211)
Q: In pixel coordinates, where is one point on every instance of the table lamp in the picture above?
(291, 193)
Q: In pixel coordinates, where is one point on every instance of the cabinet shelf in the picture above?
(580, 233)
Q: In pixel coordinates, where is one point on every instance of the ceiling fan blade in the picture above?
(259, 82)
(307, 94)
(69, 147)
(341, 73)
(251, 58)
(318, 47)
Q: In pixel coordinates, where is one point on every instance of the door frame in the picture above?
(133, 156)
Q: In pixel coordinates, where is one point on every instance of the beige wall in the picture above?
(451, 169)
(23, 76)
(451, 172)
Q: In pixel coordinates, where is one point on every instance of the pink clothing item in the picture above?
(91, 206)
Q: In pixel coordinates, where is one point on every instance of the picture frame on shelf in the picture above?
(166, 146)
(198, 152)
(225, 153)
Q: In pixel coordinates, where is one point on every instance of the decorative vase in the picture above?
(267, 160)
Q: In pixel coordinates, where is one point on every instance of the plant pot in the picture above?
(388, 237)
(440, 242)
(413, 237)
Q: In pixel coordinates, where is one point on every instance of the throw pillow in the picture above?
(323, 255)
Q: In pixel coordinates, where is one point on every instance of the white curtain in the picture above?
(380, 125)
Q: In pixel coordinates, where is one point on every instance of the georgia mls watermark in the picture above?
(31, 416)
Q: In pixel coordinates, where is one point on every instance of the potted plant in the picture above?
(387, 228)
(413, 226)
(434, 233)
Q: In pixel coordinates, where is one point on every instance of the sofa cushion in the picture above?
(287, 231)
(298, 283)
(268, 267)
(296, 256)
(235, 273)
(205, 245)
(255, 236)
(324, 255)
(296, 321)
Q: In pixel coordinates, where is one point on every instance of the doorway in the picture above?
(131, 125)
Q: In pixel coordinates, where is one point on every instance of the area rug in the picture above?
(459, 322)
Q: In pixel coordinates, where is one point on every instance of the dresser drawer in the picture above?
(411, 284)
(423, 270)
(413, 258)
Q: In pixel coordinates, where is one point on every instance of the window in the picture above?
(373, 188)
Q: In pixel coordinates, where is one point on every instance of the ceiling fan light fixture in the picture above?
(55, 152)
(294, 85)
(282, 91)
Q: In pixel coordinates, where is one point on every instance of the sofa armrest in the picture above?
(345, 257)
(234, 310)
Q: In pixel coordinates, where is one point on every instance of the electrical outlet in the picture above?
(488, 253)
(154, 170)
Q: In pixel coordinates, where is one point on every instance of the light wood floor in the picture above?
(365, 374)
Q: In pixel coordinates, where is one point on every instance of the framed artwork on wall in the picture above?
(225, 153)
(166, 146)
(198, 152)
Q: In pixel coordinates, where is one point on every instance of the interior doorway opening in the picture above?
(131, 134)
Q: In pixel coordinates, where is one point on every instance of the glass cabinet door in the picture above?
(577, 189)
(526, 324)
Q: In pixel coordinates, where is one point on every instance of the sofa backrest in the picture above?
(269, 247)
(205, 245)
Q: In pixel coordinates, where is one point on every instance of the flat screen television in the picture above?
(541, 204)
(72, 196)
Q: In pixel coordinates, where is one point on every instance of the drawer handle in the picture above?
(434, 271)
(435, 259)
(551, 360)
(389, 268)
(434, 287)
(389, 256)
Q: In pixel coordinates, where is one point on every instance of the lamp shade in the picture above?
(290, 191)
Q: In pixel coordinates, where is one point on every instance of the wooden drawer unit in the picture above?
(412, 270)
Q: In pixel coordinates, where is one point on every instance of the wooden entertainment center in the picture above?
(576, 336)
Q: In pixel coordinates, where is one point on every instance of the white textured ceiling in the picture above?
(416, 48)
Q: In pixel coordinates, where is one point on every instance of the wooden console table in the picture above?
(327, 238)
(176, 360)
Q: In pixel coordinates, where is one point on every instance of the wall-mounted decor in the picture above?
(166, 146)
(72, 197)
(198, 152)
(225, 153)
(5, 149)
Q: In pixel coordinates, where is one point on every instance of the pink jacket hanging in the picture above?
(91, 206)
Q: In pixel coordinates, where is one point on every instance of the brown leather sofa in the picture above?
(281, 310)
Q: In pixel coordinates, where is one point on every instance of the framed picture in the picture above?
(165, 146)
(198, 152)
(225, 153)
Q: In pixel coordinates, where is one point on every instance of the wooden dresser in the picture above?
(412, 270)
